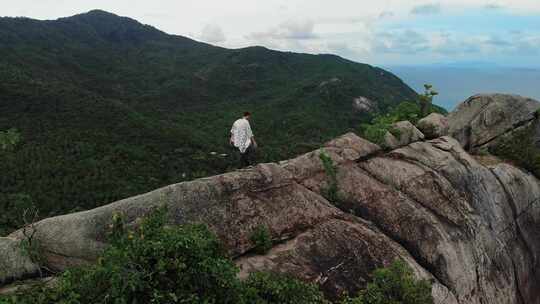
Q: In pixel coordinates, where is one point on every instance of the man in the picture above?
(243, 139)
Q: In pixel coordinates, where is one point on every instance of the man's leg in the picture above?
(244, 161)
(252, 155)
(245, 158)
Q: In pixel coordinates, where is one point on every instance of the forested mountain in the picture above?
(108, 107)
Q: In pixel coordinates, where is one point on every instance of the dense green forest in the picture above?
(107, 108)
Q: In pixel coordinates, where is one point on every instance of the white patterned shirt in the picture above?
(241, 134)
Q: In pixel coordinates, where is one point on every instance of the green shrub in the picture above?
(426, 99)
(376, 129)
(379, 125)
(520, 149)
(407, 111)
(159, 264)
(269, 288)
(152, 264)
(395, 284)
(395, 131)
(32, 248)
(330, 192)
(261, 239)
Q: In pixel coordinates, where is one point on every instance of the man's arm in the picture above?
(251, 136)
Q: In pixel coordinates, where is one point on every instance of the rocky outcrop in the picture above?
(364, 105)
(434, 125)
(481, 119)
(401, 134)
(471, 229)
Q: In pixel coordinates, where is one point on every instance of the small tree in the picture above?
(261, 239)
(330, 192)
(426, 99)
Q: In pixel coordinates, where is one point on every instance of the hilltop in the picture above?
(108, 107)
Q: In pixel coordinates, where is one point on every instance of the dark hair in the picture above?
(247, 114)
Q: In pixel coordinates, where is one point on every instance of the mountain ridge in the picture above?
(108, 107)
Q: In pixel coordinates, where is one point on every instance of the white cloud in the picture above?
(493, 6)
(401, 41)
(212, 33)
(386, 14)
(452, 44)
(374, 31)
(291, 29)
(426, 9)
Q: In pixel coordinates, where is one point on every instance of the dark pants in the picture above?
(246, 158)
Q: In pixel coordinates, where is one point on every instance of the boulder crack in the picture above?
(431, 269)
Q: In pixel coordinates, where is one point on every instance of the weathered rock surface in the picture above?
(13, 262)
(473, 230)
(364, 105)
(434, 125)
(481, 119)
(30, 284)
(401, 134)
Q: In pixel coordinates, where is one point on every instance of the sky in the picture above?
(380, 32)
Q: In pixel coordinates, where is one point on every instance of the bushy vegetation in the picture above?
(330, 191)
(266, 288)
(521, 149)
(261, 239)
(376, 130)
(108, 108)
(159, 264)
(426, 99)
(394, 285)
(412, 111)
(156, 263)
(153, 264)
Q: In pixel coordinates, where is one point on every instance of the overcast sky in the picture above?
(383, 32)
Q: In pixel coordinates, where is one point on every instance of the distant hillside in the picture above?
(109, 107)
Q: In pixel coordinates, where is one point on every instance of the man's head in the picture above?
(247, 115)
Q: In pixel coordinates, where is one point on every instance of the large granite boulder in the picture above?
(401, 134)
(470, 229)
(434, 125)
(481, 119)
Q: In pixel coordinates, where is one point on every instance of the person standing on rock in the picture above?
(243, 139)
